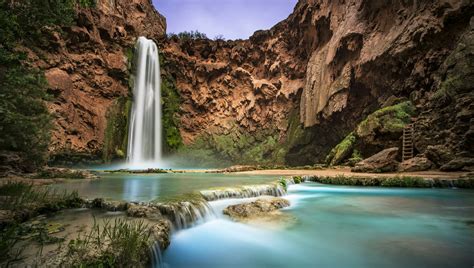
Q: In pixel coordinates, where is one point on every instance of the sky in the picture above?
(234, 19)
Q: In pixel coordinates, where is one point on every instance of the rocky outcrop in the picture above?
(333, 62)
(86, 66)
(256, 208)
(161, 233)
(384, 161)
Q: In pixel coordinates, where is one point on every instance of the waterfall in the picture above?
(144, 139)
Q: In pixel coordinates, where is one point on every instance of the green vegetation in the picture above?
(341, 151)
(389, 119)
(298, 179)
(24, 118)
(63, 174)
(355, 158)
(411, 182)
(467, 183)
(112, 245)
(22, 201)
(283, 183)
(397, 181)
(20, 196)
(170, 105)
(116, 133)
(192, 35)
(263, 147)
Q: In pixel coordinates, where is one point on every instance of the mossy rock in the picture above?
(343, 150)
(388, 120)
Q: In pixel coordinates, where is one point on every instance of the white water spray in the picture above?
(144, 139)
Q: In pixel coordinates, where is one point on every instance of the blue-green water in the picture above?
(147, 187)
(340, 227)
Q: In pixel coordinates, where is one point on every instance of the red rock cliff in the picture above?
(333, 61)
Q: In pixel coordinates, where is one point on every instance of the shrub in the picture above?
(283, 183)
(192, 35)
(297, 179)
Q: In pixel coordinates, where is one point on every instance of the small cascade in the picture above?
(244, 192)
(144, 139)
(186, 213)
(156, 258)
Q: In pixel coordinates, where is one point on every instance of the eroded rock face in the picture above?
(307, 82)
(334, 62)
(86, 67)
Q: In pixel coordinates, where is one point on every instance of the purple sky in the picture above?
(232, 18)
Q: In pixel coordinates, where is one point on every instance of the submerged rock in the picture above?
(256, 208)
(108, 205)
(384, 161)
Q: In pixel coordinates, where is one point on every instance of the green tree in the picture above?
(24, 119)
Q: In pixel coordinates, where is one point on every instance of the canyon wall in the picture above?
(286, 95)
(329, 65)
(87, 68)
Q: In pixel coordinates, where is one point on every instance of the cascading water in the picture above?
(144, 140)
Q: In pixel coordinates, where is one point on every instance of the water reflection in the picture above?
(136, 189)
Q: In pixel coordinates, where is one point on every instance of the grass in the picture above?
(112, 245)
(24, 201)
(402, 181)
(17, 196)
(9, 252)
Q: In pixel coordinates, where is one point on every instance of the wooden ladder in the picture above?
(408, 136)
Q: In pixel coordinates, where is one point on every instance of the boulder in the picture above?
(457, 164)
(256, 208)
(383, 161)
(419, 163)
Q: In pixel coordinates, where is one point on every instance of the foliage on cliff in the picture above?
(24, 118)
(171, 101)
(116, 133)
(238, 146)
(170, 105)
(384, 124)
(192, 35)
